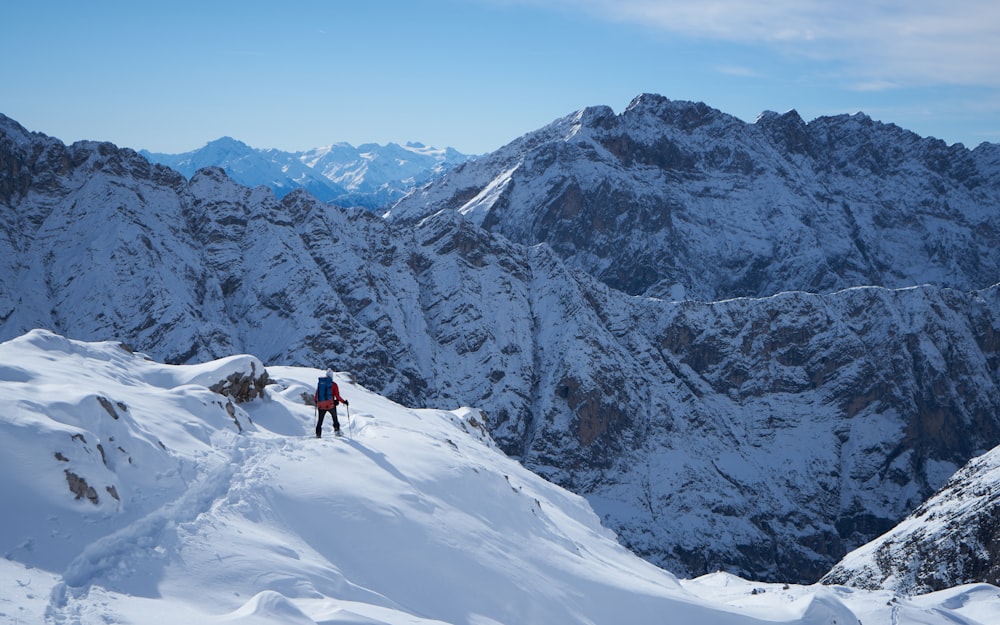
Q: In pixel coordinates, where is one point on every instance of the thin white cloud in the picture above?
(873, 85)
(902, 42)
(738, 70)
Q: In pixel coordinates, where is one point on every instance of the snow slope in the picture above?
(196, 513)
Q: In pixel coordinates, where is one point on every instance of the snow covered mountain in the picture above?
(764, 436)
(369, 175)
(679, 200)
(950, 539)
(145, 493)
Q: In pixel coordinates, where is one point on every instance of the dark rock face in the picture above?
(767, 436)
(820, 417)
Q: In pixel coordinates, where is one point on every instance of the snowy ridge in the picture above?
(413, 518)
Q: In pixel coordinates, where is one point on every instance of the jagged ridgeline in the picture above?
(853, 373)
(680, 200)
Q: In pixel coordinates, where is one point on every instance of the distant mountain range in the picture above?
(752, 347)
(369, 175)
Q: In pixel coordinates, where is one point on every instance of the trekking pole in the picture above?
(350, 427)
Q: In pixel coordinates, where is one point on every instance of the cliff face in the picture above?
(766, 436)
(769, 435)
(680, 201)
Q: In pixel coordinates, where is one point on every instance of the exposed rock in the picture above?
(675, 199)
(79, 487)
(242, 387)
(110, 407)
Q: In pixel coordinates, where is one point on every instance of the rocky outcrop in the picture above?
(79, 487)
(823, 418)
(242, 387)
(950, 540)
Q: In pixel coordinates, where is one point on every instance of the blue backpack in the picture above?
(324, 394)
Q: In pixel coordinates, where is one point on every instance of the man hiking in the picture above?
(326, 397)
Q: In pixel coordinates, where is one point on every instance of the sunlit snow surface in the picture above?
(193, 510)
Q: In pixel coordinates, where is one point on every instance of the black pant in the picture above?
(319, 421)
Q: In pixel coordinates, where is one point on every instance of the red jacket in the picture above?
(336, 395)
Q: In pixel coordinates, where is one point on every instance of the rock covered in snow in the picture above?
(951, 539)
(765, 436)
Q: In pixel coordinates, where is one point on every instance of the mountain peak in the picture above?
(227, 142)
(648, 101)
(788, 117)
(683, 114)
(15, 131)
(225, 148)
(712, 160)
(787, 130)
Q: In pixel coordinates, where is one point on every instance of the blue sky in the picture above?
(476, 74)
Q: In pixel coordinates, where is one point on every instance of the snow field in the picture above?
(413, 518)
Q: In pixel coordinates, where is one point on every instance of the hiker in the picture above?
(326, 397)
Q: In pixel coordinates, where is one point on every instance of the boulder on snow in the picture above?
(242, 387)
